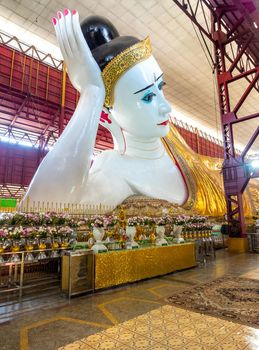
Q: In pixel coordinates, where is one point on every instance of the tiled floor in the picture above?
(57, 323)
(169, 327)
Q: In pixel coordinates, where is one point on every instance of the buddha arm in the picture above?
(63, 173)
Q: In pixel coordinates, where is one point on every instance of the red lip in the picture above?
(164, 123)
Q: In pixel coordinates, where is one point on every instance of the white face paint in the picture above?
(140, 107)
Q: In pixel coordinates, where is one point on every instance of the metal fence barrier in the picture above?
(24, 270)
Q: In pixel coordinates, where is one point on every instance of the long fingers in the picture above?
(70, 31)
(69, 34)
(80, 40)
(59, 38)
(62, 24)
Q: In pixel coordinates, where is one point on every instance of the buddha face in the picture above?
(140, 107)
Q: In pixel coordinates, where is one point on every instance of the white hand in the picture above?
(81, 66)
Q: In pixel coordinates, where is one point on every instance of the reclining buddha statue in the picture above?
(119, 79)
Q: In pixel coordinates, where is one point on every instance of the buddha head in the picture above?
(132, 77)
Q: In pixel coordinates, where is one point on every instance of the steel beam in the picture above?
(231, 22)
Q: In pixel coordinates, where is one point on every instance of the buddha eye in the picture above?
(161, 85)
(148, 97)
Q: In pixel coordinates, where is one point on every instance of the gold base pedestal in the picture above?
(237, 245)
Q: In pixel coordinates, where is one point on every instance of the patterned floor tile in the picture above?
(209, 340)
(123, 335)
(196, 346)
(145, 344)
(77, 345)
(228, 346)
(101, 341)
(171, 328)
(140, 327)
(106, 344)
(175, 342)
(158, 335)
(190, 333)
(160, 347)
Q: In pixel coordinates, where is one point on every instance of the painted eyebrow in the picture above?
(159, 76)
(147, 87)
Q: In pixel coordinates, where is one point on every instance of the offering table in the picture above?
(119, 267)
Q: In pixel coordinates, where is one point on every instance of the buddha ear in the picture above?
(108, 122)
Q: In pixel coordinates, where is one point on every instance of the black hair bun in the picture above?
(104, 40)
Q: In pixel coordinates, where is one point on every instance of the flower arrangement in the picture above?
(161, 221)
(152, 221)
(195, 219)
(3, 235)
(72, 222)
(96, 221)
(17, 233)
(23, 227)
(42, 232)
(198, 227)
(134, 221)
(180, 220)
(168, 218)
(185, 220)
(65, 231)
(29, 232)
(110, 221)
(82, 222)
(37, 219)
(144, 220)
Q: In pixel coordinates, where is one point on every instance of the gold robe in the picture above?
(203, 179)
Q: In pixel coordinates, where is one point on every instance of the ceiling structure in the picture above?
(191, 84)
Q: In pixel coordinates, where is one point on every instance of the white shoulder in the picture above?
(106, 160)
(106, 175)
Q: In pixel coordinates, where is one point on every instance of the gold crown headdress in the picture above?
(120, 64)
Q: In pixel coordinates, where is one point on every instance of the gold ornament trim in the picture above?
(120, 64)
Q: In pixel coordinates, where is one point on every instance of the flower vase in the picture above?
(98, 247)
(42, 246)
(29, 245)
(15, 248)
(55, 244)
(29, 257)
(177, 233)
(42, 256)
(29, 248)
(160, 240)
(54, 254)
(64, 243)
(130, 233)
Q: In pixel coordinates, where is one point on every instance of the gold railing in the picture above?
(58, 207)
